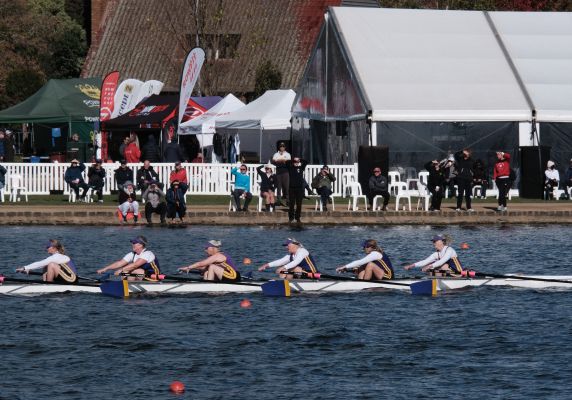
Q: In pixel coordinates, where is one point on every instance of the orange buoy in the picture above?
(245, 303)
(464, 246)
(177, 387)
(247, 261)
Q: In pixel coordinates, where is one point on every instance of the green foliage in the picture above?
(67, 53)
(74, 8)
(22, 83)
(268, 77)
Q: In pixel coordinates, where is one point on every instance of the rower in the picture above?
(58, 267)
(137, 265)
(297, 261)
(217, 267)
(376, 265)
(443, 261)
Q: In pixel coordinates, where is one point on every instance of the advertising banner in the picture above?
(125, 96)
(106, 102)
(191, 70)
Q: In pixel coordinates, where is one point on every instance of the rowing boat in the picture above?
(324, 285)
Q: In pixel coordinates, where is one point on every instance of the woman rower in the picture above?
(137, 265)
(57, 267)
(374, 266)
(298, 260)
(443, 261)
(217, 267)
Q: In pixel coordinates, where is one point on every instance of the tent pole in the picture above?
(373, 133)
(260, 154)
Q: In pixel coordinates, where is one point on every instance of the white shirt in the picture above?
(300, 254)
(552, 174)
(438, 258)
(54, 258)
(281, 156)
(147, 255)
(373, 256)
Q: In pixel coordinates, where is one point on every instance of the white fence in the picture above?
(204, 179)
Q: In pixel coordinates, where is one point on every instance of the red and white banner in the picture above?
(191, 71)
(126, 96)
(106, 104)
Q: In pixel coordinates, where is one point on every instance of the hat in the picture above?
(550, 164)
(139, 239)
(268, 166)
(281, 144)
(436, 238)
(123, 162)
(213, 243)
(292, 241)
(98, 161)
(75, 160)
(325, 167)
(177, 163)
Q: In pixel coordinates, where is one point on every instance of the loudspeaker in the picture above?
(532, 165)
(368, 158)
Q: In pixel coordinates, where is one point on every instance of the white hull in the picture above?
(296, 286)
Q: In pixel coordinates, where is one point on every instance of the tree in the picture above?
(268, 77)
(22, 83)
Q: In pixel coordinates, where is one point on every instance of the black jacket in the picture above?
(173, 153)
(377, 183)
(150, 150)
(297, 174)
(123, 175)
(146, 175)
(266, 182)
(436, 177)
(96, 176)
(2, 174)
(464, 167)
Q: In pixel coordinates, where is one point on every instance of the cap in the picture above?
(437, 238)
(213, 243)
(550, 164)
(75, 160)
(49, 244)
(291, 241)
(268, 166)
(139, 239)
(123, 162)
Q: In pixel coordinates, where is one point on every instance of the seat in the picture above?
(377, 198)
(423, 195)
(394, 179)
(319, 205)
(347, 178)
(555, 193)
(424, 177)
(403, 193)
(355, 195)
(72, 197)
(513, 193)
(17, 188)
(260, 202)
(410, 173)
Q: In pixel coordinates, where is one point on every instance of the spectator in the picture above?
(147, 174)
(74, 178)
(128, 202)
(296, 169)
(176, 202)
(154, 202)
(122, 147)
(179, 174)
(436, 183)
(281, 159)
(2, 147)
(241, 187)
(480, 177)
(132, 152)
(173, 152)
(9, 146)
(464, 167)
(568, 177)
(322, 182)
(96, 179)
(151, 150)
(450, 175)
(2, 177)
(267, 185)
(551, 181)
(123, 174)
(501, 175)
(378, 186)
(74, 149)
(199, 159)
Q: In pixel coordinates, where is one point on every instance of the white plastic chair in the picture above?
(424, 177)
(377, 198)
(394, 179)
(72, 198)
(319, 205)
(423, 195)
(402, 194)
(260, 202)
(2, 195)
(17, 188)
(347, 178)
(355, 195)
(410, 173)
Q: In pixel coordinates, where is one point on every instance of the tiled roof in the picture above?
(148, 39)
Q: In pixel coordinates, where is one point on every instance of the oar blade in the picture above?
(276, 288)
(117, 289)
(424, 288)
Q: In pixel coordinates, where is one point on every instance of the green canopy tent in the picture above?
(72, 105)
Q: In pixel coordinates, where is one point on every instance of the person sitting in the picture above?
(376, 265)
(58, 267)
(123, 174)
(154, 202)
(147, 174)
(322, 182)
(551, 181)
(480, 177)
(128, 202)
(179, 174)
(132, 152)
(96, 176)
(2, 177)
(443, 262)
(218, 266)
(139, 264)
(436, 183)
(241, 187)
(568, 178)
(267, 185)
(176, 202)
(297, 261)
(378, 187)
(199, 159)
(74, 178)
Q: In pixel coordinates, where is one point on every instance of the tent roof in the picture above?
(59, 100)
(429, 65)
(205, 123)
(269, 111)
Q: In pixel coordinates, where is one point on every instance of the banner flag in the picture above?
(191, 70)
(125, 96)
(148, 89)
(106, 104)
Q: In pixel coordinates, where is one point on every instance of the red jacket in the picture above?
(502, 168)
(132, 153)
(180, 175)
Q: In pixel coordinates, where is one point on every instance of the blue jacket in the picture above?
(242, 181)
(2, 174)
(73, 173)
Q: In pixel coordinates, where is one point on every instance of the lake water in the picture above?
(494, 343)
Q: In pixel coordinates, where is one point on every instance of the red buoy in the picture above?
(245, 303)
(177, 387)
(464, 246)
(247, 261)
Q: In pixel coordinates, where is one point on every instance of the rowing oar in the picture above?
(473, 274)
(83, 278)
(21, 280)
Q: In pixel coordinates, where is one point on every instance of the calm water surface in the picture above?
(481, 343)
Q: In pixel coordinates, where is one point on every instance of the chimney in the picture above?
(97, 14)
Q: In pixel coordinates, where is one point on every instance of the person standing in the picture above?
(132, 152)
(2, 146)
(501, 175)
(464, 167)
(322, 182)
(568, 177)
(154, 202)
(151, 150)
(296, 169)
(96, 179)
(435, 183)
(267, 185)
(280, 159)
(74, 178)
(173, 152)
(122, 148)
(241, 187)
(378, 187)
(551, 180)
(9, 150)
(480, 177)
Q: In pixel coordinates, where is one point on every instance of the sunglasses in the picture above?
(243, 169)
(377, 170)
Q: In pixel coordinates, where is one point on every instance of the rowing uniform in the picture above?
(151, 267)
(68, 271)
(230, 273)
(378, 258)
(447, 256)
(301, 258)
